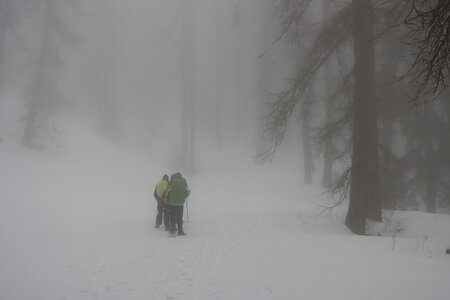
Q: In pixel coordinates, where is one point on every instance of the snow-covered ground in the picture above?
(78, 224)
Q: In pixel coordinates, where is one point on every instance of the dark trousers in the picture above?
(162, 214)
(176, 216)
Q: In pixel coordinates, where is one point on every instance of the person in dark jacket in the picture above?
(176, 196)
(160, 194)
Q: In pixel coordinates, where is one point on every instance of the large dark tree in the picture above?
(365, 185)
(355, 20)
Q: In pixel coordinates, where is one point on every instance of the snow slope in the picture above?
(78, 224)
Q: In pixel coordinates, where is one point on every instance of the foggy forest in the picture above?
(310, 141)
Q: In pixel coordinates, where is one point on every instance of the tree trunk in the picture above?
(38, 106)
(218, 110)
(188, 147)
(307, 152)
(387, 139)
(5, 11)
(265, 76)
(389, 107)
(327, 178)
(365, 186)
(388, 182)
(106, 102)
(430, 177)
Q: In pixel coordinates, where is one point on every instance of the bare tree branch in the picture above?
(428, 23)
(331, 36)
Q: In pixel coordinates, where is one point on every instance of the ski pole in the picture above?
(187, 211)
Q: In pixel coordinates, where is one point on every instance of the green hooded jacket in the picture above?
(178, 191)
(161, 188)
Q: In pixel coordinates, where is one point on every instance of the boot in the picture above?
(172, 231)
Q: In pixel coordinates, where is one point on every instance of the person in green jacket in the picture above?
(160, 194)
(176, 195)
